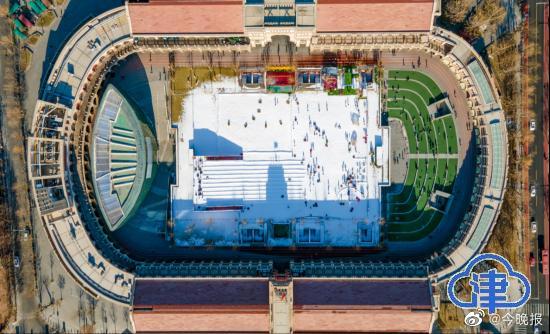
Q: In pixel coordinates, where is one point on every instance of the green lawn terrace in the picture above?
(418, 103)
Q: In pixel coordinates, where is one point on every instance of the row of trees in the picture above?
(473, 19)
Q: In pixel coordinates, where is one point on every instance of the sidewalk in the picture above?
(17, 183)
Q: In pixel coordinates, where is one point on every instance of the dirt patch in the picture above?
(25, 58)
(185, 79)
(451, 318)
(5, 305)
(5, 256)
(46, 19)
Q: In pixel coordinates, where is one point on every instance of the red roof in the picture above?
(361, 321)
(374, 15)
(206, 322)
(201, 305)
(186, 17)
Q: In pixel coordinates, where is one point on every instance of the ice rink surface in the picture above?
(308, 158)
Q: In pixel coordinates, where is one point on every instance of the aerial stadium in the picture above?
(262, 149)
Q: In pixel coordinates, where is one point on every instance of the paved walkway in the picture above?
(13, 154)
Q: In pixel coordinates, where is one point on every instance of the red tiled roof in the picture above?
(374, 15)
(225, 322)
(361, 321)
(201, 305)
(186, 17)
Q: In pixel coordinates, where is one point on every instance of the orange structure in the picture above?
(374, 15)
(162, 17)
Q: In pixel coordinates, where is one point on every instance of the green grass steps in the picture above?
(421, 195)
(400, 85)
(416, 76)
(415, 172)
(405, 119)
(451, 134)
(414, 104)
(409, 94)
(431, 220)
(421, 220)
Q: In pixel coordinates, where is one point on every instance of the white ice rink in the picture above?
(312, 160)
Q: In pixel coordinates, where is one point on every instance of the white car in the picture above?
(533, 191)
(533, 227)
(532, 125)
(16, 262)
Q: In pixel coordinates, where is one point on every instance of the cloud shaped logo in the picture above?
(489, 289)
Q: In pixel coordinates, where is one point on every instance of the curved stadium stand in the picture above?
(120, 154)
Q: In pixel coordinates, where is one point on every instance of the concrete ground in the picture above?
(70, 16)
(399, 149)
(64, 305)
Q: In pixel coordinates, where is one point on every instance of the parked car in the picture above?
(532, 260)
(532, 125)
(533, 191)
(533, 225)
(16, 262)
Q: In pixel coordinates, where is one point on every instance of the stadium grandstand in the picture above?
(92, 161)
(122, 158)
(432, 153)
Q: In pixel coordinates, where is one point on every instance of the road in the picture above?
(27, 318)
(536, 176)
(41, 302)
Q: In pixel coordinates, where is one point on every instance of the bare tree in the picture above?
(113, 315)
(92, 303)
(487, 15)
(61, 284)
(104, 316)
(51, 266)
(455, 11)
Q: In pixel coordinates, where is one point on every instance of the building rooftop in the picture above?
(201, 305)
(159, 17)
(374, 15)
(122, 158)
(361, 321)
(318, 293)
(201, 293)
